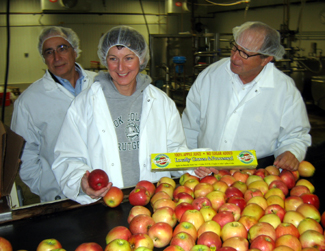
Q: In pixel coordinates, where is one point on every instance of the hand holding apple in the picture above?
(98, 179)
(94, 194)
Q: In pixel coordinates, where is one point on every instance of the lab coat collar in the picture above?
(265, 79)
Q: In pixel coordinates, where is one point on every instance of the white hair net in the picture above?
(127, 37)
(260, 38)
(55, 31)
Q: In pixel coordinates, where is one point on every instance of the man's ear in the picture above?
(267, 60)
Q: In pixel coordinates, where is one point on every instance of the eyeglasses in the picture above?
(243, 54)
(61, 50)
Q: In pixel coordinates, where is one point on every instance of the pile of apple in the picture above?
(234, 210)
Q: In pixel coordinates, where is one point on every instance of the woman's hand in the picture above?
(91, 192)
(204, 171)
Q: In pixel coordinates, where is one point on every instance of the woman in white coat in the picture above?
(117, 123)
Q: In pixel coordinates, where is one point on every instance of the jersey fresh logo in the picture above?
(161, 160)
(246, 157)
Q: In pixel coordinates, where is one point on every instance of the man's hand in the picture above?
(91, 192)
(203, 171)
(287, 161)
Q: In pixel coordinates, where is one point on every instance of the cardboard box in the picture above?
(245, 159)
(11, 146)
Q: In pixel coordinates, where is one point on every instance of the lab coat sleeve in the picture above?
(191, 116)
(71, 159)
(30, 169)
(294, 129)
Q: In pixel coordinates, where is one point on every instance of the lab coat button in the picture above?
(148, 100)
(103, 130)
(58, 197)
(112, 164)
(225, 141)
(144, 165)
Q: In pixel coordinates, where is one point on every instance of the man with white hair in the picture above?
(40, 110)
(245, 103)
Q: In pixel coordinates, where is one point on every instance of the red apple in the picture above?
(209, 226)
(139, 196)
(293, 217)
(223, 218)
(217, 199)
(118, 244)
(200, 202)
(260, 185)
(306, 183)
(136, 210)
(309, 211)
(207, 212)
(263, 243)
(311, 199)
(221, 173)
(253, 210)
(164, 203)
(286, 248)
(228, 179)
(276, 209)
(241, 186)
(193, 216)
(286, 228)
(186, 227)
(209, 179)
(273, 170)
(233, 191)
(210, 239)
(89, 246)
(48, 244)
(141, 224)
(167, 188)
(291, 203)
(98, 179)
(183, 189)
(312, 238)
(238, 201)
(247, 221)
(290, 241)
(173, 248)
(113, 197)
(181, 208)
(185, 177)
(158, 196)
(167, 180)
(220, 186)
(240, 176)
(140, 240)
(191, 183)
(288, 178)
(183, 197)
(227, 249)
(202, 189)
(5, 245)
(306, 169)
(165, 214)
(309, 224)
(184, 240)
(118, 232)
(273, 219)
(268, 179)
(161, 233)
(148, 185)
(261, 172)
(280, 184)
(261, 228)
(239, 243)
(234, 209)
(253, 192)
(299, 190)
(233, 229)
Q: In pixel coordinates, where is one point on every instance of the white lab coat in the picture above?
(37, 117)
(88, 140)
(271, 119)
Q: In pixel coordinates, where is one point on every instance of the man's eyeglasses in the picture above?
(61, 49)
(243, 54)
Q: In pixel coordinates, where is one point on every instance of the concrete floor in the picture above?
(316, 118)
